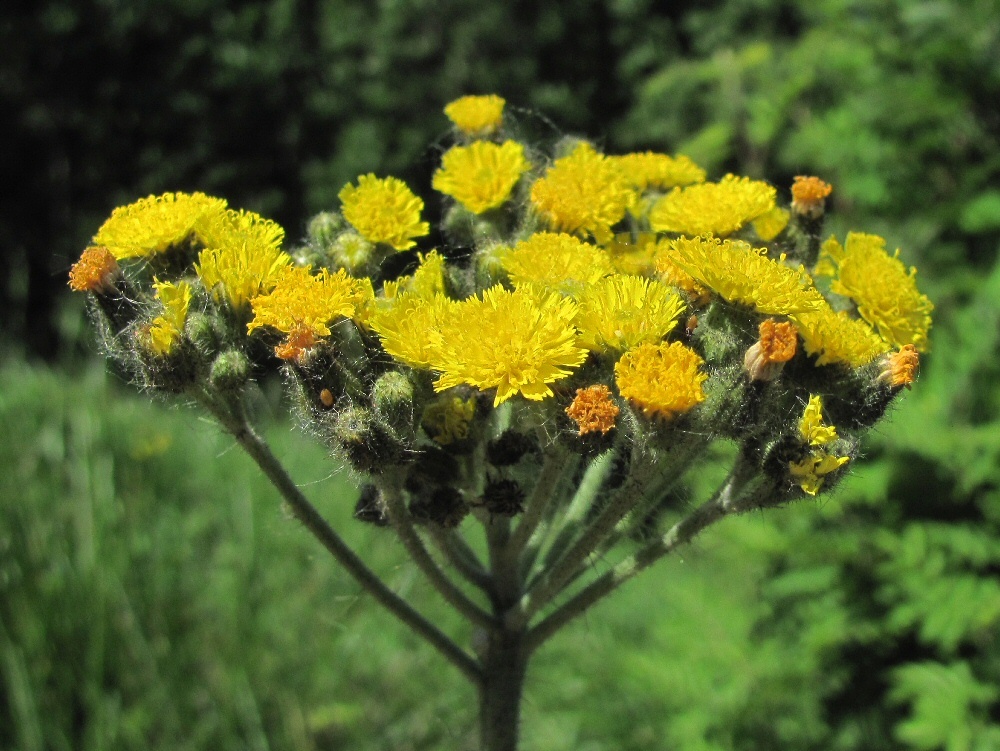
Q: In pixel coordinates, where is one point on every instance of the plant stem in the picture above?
(306, 513)
(400, 519)
(716, 508)
(504, 666)
(461, 556)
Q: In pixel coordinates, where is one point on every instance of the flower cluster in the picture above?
(562, 306)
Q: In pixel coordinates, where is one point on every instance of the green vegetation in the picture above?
(152, 593)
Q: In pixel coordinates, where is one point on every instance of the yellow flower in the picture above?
(809, 196)
(768, 226)
(743, 274)
(384, 211)
(621, 312)
(153, 224)
(482, 175)
(584, 192)
(659, 171)
(409, 327)
(556, 260)
(712, 208)
(672, 274)
(809, 473)
(447, 419)
(838, 338)
(242, 256)
(476, 115)
(166, 329)
(592, 409)
(885, 292)
(427, 281)
(633, 255)
(303, 305)
(516, 342)
(661, 379)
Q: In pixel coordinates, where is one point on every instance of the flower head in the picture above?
(659, 171)
(769, 225)
(661, 379)
(900, 368)
(838, 338)
(476, 115)
(153, 224)
(712, 208)
(242, 258)
(482, 175)
(809, 196)
(447, 419)
(812, 430)
(621, 312)
(409, 326)
(384, 211)
(593, 410)
(303, 305)
(426, 282)
(583, 193)
(558, 261)
(885, 292)
(168, 327)
(96, 271)
(809, 473)
(777, 345)
(516, 342)
(743, 274)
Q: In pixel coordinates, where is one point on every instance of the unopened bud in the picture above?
(366, 444)
(230, 370)
(509, 447)
(392, 397)
(324, 228)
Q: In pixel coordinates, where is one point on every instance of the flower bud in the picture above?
(365, 442)
(370, 507)
(392, 397)
(230, 371)
(324, 228)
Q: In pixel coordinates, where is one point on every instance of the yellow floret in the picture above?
(558, 261)
(621, 312)
(427, 281)
(153, 224)
(482, 175)
(384, 211)
(664, 380)
(651, 170)
(838, 338)
(712, 208)
(476, 115)
(409, 327)
(447, 420)
(583, 193)
(167, 328)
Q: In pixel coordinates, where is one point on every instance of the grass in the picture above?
(153, 594)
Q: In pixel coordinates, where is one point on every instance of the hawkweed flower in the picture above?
(810, 472)
(835, 337)
(776, 345)
(771, 224)
(482, 175)
(659, 171)
(384, 210)
(154, 224)
(883, 289)
(621, 312)
(899, 369)
(583, 193)
(809, 196)
(167, 328)
(558, 261)
(516, 342)
(302, 306)
(96, 271)
(410, 327)
(593, 410)
(712, 208)
(426, 282)
(663, 380)
(476, 115)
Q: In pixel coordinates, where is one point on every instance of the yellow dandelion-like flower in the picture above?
(515, 342)
(712, 208)
(633, 255)
(743, 274)
(303, 305)
(447, 420)
(96, 271)
(584, 192)
(167, 328)
(409, 327)
(427, 281)
(838, 338)
(768, 226)
(242, 257)
(672, 274)
(661, 379)
(558, 261)
(885, 292)
(809, 473)
(482, 175)
(659, 171)
(592, 409)
(384, 211)
(153, 224)
(621, 312)
(476, 115)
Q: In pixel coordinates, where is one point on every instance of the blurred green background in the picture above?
(154, 595)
